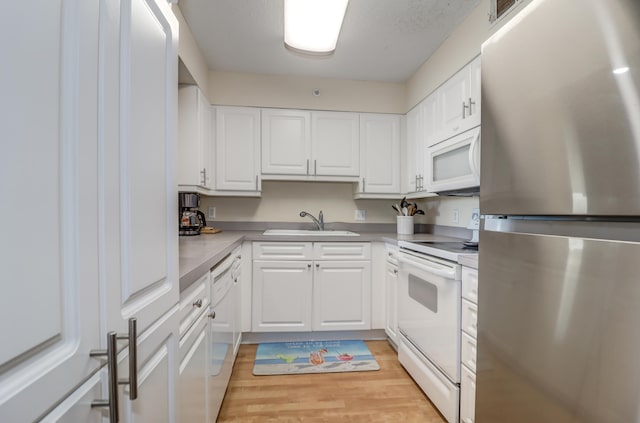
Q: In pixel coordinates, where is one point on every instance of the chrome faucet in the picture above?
(319, 221)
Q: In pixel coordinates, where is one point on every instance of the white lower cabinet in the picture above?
(193, 352)
(468, 340)
(342, 295)
(77, 406)
(282, 296)
(308, 294)
(192, 374)
(467, 395)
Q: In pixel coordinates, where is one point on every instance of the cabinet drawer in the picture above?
(193, 300)
(469, 318)
(469, 351)
(470, 284)
(282, 250)
(341, 251)
(467, 396)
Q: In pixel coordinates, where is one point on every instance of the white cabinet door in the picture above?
(77, 406)
(342, 295)
(391, 289)
(475, 105)
(467, 396)
(336, 144)
(413, 144)
(237, 149)
(282, 296)
(431, 120)
(192, 373)
(452, 101)
(286, 142)
(380, 153)
(459, 101)
(49, 263)
(194, 138)
(157, 373)
(139, 249)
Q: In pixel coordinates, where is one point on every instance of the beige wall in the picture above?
(282, 201)
(457, 50)
(296, 92)
(190, 53)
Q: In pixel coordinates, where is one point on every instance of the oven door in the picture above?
(429, 309)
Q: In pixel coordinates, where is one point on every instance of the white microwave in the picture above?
(455, 163)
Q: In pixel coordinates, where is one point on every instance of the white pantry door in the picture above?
(49, 317)
(138, 194)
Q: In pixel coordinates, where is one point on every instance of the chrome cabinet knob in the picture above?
(212, 315)
(198, 303)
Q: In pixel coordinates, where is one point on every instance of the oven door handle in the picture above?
(448, 272)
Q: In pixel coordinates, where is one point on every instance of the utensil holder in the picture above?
(405, 225)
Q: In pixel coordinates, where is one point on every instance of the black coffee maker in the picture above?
(190, 219)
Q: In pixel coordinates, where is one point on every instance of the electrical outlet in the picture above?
(361, 215)
(212, 212)
(455, 217)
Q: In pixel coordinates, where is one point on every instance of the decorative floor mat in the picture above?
(279, 358)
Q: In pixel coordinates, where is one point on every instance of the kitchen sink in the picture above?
(301, 232)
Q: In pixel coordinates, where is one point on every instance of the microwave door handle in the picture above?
(433, 268)
(473, 150)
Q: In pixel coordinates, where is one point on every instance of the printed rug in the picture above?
(278, 358)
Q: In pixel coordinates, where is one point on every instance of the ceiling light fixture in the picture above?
(313, 26)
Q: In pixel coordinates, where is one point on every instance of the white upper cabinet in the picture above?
(335, 144)
(50, 294)
(237, 150)
(194, 139)
(412, 167)
(379, 155)
(99, 158)
(286, 142)
(303, 145)
(459, 102)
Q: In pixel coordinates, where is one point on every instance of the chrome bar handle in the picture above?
(112, 367)
(132, 337)
(471, 103)
(307, 166)
(203, 172)
(363, 186)
(464, 108)
(256, 182)
(315, 167)
(133, 359)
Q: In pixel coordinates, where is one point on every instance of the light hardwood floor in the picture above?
(386, 395)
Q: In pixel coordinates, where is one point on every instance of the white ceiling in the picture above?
(380, 40)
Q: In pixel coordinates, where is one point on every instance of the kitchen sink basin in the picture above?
(302, 232)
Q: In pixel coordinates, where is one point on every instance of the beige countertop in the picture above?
(198, 254)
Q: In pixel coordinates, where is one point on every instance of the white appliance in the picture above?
(455, 163)
(429, 308)
(224, 328)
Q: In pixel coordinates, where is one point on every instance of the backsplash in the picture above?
(282, 202)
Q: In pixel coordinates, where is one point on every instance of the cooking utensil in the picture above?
(404, 203)
(397, 209)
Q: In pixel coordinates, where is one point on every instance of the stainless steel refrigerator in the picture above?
(559, 264)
